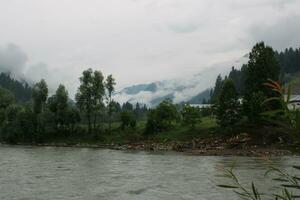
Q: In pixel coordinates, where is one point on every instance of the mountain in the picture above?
(21, 90)
(193, 88)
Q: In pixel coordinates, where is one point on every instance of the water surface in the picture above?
(51, 173)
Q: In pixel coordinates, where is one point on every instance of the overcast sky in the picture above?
(137, 41)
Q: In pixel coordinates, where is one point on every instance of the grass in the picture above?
(182, 133)
(178, 132)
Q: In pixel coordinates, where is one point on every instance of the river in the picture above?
(51, 173)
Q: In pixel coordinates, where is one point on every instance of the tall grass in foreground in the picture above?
(287, 185)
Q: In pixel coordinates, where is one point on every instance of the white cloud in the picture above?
(141, 40)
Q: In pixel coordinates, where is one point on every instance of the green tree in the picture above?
(190, 115)
(217, 89)
(39, 96)
(6, 98)
(84, 96)
(110, 87)
(98, 95)
(262, 65)
(127, 119)
(228, 107)
(62, 98)
(72, 118)
(161, 117)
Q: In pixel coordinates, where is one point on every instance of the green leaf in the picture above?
(228, 186)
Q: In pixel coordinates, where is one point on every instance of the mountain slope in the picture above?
(186, 89)
(21, 90)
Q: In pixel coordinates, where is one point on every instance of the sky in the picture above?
(138, 41)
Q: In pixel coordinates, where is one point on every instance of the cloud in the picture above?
(183, 28)
(13, 60)
(138, 41)
(280, 35)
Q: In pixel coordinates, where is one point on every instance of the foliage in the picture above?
(262, 65)
(190, 115)
(289, 60)
(22, 91)
(282, 114)
(228, 107)
(6, 98)
(110, 87)
(39, 96)
(127, 119)
(84, 96)
(217, 90)
(161, 117)
(287, 184)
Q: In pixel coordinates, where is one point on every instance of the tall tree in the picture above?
(262, 65)
(98, 95)
(110, 86)
(58, 104)
(217, 89)
(39, 96)
(228, 107)
(84, 96)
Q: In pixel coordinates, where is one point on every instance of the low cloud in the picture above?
(14, 60)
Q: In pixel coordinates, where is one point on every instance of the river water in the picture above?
(51, 173)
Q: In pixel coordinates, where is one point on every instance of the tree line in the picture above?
(45, 116)
(239, 100)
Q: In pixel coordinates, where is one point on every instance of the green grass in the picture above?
(182, 133)
(178, 132)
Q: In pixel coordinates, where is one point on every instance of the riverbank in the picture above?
(240, 145)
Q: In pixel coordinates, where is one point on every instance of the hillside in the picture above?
(193, 88)
(21, 90)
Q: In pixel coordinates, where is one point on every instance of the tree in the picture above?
(62, 97)
(6, 98)
(262, 65)
(217, 89)
(228, 107)
(98, 94)
(72, 118)
(127, 106)
(161, 117)
(190, 115)
(39, 96)
(84, 96)
(127, 119)
(58, 104)
(110, 87)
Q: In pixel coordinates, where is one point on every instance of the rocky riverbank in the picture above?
(240, 145)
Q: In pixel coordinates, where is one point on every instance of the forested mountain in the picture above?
(21, 90)
(289, 60)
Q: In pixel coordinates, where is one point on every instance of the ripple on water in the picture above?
(72, 173)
